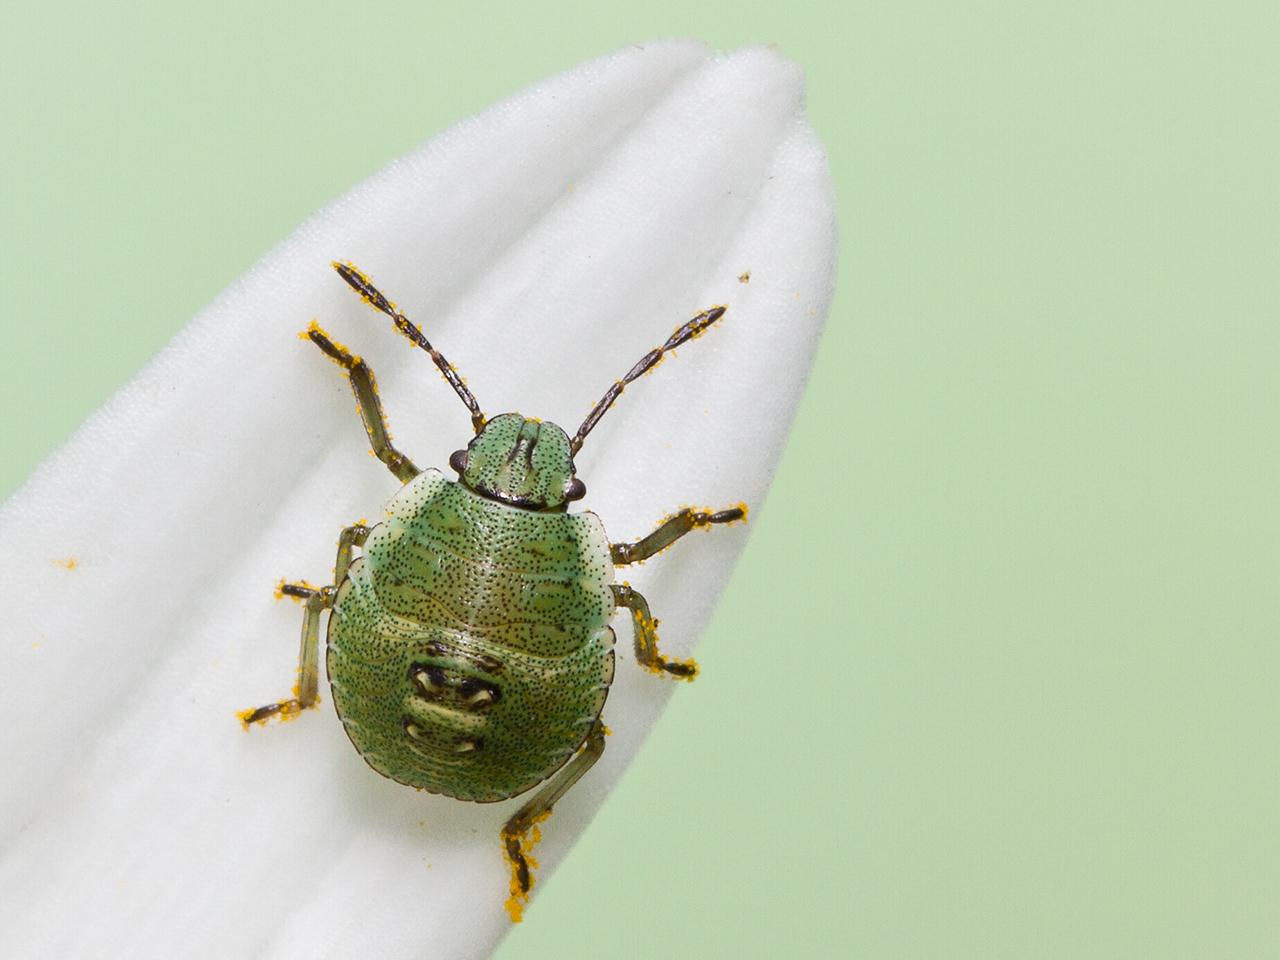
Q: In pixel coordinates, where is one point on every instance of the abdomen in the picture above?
(469, 650)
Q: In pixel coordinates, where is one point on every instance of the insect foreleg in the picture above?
(671, 530)
(365, 387)
(515, 835)
(646, 636)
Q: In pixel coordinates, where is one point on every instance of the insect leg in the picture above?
(305, 693)
(671, 530)
(515, 835)
(368, 403)
(315, 600)
(353, 536)
(646, 634)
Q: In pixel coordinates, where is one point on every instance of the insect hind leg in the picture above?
(521, 833)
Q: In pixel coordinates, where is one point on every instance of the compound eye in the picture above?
(576, 490)
(458, 460)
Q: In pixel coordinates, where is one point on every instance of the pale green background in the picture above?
(1017, 580)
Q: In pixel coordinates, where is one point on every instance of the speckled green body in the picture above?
(469, 649)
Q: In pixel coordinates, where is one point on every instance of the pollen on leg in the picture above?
(674, 667)
(298, 590)
(284, 710)
(686, 670)
(660, 665)
(293, 708)
(518, 849)
(338, 352)
(704, 517)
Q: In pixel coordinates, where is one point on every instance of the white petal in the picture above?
(544, 245)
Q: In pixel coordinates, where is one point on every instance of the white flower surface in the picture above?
(544, 246)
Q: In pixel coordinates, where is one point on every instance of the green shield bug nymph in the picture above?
(469, 650)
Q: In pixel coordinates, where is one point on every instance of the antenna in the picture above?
(690, 330)
(373, 296)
